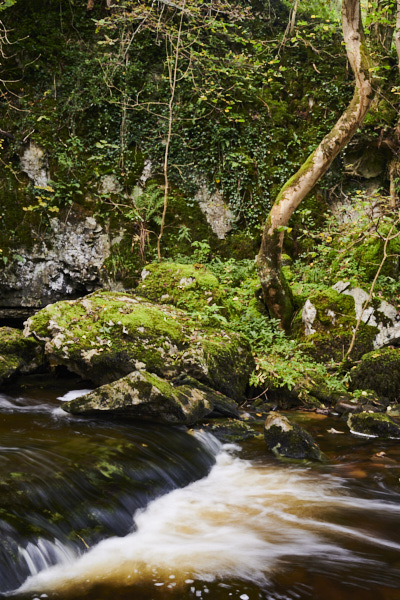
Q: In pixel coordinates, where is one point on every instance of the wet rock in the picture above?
(230, 430)
(223, 406)
(379, 371)
(289, 440)
(374, 425)
(18, 354)
(145, 396)
(107, 335)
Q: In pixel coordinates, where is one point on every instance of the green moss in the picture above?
(370, 254)
(191, 287)
(379, 371)
(17, 353)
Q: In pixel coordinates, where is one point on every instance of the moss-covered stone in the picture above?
(374, 425)
(107, 335)
(18, 354)
(145, 396)
(379, 371)
(289, 440)
(191, 287)
(325, 327)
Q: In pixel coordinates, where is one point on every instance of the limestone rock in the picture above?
(217, 213)
(145, 396)
(107, 335)
(34, 164)
(289, 440)
(326, 326)
(373, 425)
(384, 316)
(65, 266)
(18, 354)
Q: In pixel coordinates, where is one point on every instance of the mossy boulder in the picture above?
(145, 396)
(107, 335)
(379, 371)
(18, 354)
(191, 287)
(374, 425)
(325, 326)
(289, 440)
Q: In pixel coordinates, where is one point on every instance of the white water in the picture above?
(242, 521)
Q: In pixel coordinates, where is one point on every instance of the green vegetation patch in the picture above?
(379, 371)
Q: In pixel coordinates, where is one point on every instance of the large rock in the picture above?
(289, 440)
(145, 396)
(107, 335)
(373, 425)
(379, 371)
(18, 354)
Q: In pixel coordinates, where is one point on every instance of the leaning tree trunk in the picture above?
(276, 292)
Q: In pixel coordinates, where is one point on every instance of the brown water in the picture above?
(118, 511)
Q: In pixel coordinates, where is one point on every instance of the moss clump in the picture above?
(374, 425)
(333, 327)
(107, 335)
(18, 354)
(379, 371)
(370, 254)
(191, 287)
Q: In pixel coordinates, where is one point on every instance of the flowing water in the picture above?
(112, 510)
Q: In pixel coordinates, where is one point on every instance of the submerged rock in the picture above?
(373, 425)
(379, 371)
(107, 335)
(289, 440)
(18, 354)
(145, 396)
(230, 430)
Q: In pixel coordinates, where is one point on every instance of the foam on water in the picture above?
(240, 521)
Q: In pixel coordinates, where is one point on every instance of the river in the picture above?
(102, 510)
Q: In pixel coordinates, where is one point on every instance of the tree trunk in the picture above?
(275, 289)
(397, 34)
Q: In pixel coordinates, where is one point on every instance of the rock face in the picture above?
(289, 440)
(18, 354)
(107, 335)
(68, 265)
(374, 425)
(145, 396)
(379, 371)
